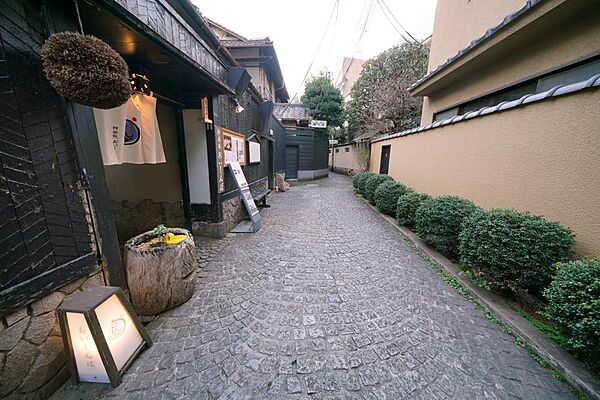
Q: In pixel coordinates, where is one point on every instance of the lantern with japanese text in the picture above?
(102, 335)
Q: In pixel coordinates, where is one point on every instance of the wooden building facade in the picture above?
(63, 214)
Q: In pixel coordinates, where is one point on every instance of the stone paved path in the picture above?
(326, 302)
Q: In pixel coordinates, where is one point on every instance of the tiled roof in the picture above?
(556, 91)
(214, 23)
(365, 136)
(488, 34)
(290, 111)
(247, 43)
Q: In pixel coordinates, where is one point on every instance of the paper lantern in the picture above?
(102, 335)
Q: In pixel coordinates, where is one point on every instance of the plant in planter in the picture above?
(161, 269)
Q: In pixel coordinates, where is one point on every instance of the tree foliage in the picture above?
(380, 99)
(323, 100)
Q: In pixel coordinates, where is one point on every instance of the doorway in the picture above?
(385, 159)
(291, 162)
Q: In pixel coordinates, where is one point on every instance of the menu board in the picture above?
(234, 147)
(245, 194)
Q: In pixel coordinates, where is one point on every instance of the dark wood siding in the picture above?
(45, 239)
(247, 123)
(312, 148)
(279, 138)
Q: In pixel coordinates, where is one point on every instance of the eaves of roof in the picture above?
(267, 45)
(232, 33)
(556, 91)
(200, 22)
(510, 18)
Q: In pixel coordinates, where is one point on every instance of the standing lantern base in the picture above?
(161, 277)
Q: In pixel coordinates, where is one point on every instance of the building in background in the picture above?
(305, 148)
(64, 214)
(510, 116)
(259, 58)
(349, 73)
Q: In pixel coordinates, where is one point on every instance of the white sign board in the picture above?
(315, 123)
(333, 141)
(254, 149)
(245, 193)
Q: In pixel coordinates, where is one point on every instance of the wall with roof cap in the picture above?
(542, 157)
(458, 22)
(554, 42)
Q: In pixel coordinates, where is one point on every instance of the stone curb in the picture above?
(572, 369)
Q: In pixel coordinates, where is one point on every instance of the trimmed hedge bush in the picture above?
(357, 178)
(407, 206)
(574, 305)
(438, 221)
(361, 180)
(516, 250)
(372, 184)
(386, 196)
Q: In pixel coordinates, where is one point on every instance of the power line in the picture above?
(358, 24)
(397, 22)
(329, 58)
(335, 6)
(392, 22)
(364, 28)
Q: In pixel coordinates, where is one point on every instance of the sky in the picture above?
(297, 27)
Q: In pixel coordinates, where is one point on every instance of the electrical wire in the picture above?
(320, 97)
(382, 2)
(392, 22)
(364, 28)
(333, 10)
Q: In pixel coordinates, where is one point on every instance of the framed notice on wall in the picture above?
(234, 147)
(254, 150)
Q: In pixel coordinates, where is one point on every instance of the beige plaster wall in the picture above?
(569, 41)
(347, 161)
(543, 158)
(157, 182)
(458, 22)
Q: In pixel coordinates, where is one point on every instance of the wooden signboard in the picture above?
(240, 180)
(234, 147)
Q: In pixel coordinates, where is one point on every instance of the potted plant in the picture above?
(161, 269)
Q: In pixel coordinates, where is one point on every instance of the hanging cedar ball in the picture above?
(86, 70)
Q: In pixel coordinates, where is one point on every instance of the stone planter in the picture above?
(163, 277)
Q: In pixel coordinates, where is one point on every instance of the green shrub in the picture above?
(516, 250)
(407, 206)
(439, 220)
(574, 306)
(362, 180)
(372, 184)
(357, 178)
(386, 196)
